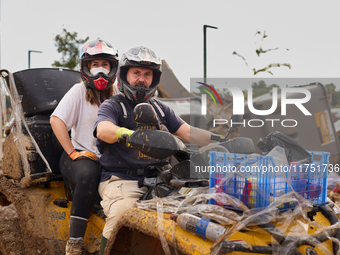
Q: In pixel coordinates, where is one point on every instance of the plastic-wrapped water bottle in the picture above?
(200, 226)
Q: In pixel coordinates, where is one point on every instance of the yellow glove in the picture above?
(216, 138)
(124, 131)
(75, 155)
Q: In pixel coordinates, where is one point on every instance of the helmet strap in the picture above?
(101, 98)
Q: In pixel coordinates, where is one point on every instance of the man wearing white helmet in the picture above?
(138, 80)
(77, 112)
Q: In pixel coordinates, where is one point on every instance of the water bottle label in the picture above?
(201, 227)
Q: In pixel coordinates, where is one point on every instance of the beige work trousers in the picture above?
(118, 196)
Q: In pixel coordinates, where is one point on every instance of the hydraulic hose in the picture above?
(229, 247)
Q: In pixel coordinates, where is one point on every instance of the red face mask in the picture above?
(100, 83)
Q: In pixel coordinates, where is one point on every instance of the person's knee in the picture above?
(118, 208)
(116, 213)
(90, 173)
(89, 178)
(107, 230)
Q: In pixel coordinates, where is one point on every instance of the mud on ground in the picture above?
(15, 231)
(10, 234)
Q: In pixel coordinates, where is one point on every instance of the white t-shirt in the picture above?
(79, 116)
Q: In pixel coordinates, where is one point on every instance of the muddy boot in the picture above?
(74, 246)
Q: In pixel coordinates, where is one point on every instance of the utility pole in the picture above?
(29, 57)
(205, 51)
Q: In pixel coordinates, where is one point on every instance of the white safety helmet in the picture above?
(98, 49)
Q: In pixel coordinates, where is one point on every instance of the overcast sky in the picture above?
(174, 30)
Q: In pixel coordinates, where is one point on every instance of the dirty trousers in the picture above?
(118, 196)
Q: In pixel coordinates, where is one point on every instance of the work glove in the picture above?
(121, 132)
(217, 138)
(75, 155)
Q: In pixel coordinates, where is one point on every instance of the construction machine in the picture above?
(32, 183)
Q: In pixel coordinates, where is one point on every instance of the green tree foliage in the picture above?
(330, 89)
(333, 95)
(68, 45)
(260, 88)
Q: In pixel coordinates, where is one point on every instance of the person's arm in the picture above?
(106, 131)
(60, 130)
(194, 135)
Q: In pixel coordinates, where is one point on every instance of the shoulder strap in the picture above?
(158, 110)
(124, 118)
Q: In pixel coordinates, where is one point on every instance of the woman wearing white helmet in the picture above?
(77, 112)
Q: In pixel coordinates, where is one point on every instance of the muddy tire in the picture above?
(10, 235)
